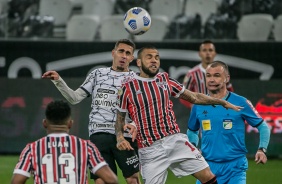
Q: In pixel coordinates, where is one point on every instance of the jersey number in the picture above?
(66, 159)
(190, 146)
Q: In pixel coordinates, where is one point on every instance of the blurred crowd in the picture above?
(20, 18)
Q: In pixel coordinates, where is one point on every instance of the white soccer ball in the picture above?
(137, 21)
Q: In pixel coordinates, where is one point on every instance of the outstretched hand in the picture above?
(231, 106)
(53, 75)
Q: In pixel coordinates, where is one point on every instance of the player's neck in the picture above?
(204, 65)
(118, 69)
(57, 129)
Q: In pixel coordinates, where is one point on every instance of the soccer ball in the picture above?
(137, 21)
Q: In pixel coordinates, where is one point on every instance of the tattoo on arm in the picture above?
(120, 122)
(188, 96)
(199, 98)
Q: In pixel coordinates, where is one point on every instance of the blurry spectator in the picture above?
(183, 26)
(121, 6)
(24, 20)
(221, 26)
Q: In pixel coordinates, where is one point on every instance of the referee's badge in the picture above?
(227, 124)
(206, 124)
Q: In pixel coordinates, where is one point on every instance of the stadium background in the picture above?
(255, 68)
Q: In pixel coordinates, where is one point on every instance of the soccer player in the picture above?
(223, 130)
(195, 79)
(161, 145)
(103, 85)
(60, 157)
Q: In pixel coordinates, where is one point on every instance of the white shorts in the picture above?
(174, 152)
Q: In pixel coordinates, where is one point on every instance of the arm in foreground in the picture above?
(107, 175)
(122, 143)
(264, 132)
(18, 179)
(199, 98)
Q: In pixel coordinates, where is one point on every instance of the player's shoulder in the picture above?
(73, 137)
(161, 74)
(237, 97)
(100, 70)
(194, 70)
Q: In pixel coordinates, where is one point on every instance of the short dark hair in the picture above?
(127, 42)
(219, 63)
(143, 48)
(206, 42)
(57, 112)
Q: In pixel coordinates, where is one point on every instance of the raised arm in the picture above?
(72, 96)
(122, 143)
(199, 98)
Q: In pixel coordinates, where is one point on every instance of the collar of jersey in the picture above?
(145, 79)
(57, 135)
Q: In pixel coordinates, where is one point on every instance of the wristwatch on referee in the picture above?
(263, 150)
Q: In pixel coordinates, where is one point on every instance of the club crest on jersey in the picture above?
(162, 85)
(120, 91)
(227, 124)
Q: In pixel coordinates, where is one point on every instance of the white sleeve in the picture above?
(72, 96)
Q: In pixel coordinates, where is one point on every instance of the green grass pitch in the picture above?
(271, 173)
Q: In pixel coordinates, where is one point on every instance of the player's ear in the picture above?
(132, 57)
(113, 52)
(138, 62)
(227, 79)
(70, 123)
(44, 123)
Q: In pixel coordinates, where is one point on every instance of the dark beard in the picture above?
(119, 68)
(148, 72)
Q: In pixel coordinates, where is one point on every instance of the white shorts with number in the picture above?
(174, 152)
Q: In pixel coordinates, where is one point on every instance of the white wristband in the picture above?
(133, 124)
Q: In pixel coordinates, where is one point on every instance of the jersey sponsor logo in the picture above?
(105, 103)
(206, 124)
(101, 90)
(102, 125)
(198, 156)
(132, 160)
(102, 98)
(227, 124)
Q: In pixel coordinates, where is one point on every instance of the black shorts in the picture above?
(127, 161)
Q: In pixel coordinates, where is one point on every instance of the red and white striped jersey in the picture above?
(147, 100)
(59, 158)
(195, 80)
